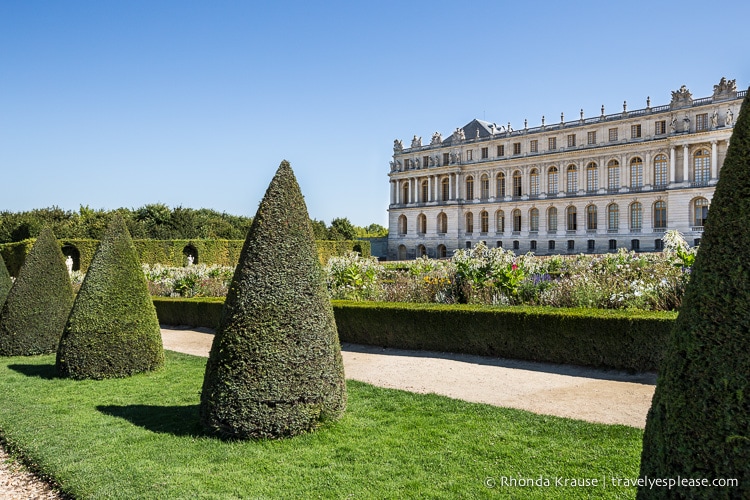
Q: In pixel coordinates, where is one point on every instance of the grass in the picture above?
(139, 438)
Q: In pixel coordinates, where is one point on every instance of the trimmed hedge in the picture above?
(112, 330)
(33, 316)
(624, 340)
(171, 252)
(5, 282)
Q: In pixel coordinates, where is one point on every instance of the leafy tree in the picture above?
(342, 229)
(699, 422)
(38, 303)
(275, 367)
(319, 229)
(5, 282)
(112, 330)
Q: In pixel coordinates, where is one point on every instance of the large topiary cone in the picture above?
(699, 422)
(34, 313)
(5, 282)
(112, 330)
(275, 367)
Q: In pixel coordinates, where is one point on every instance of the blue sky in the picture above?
(123, 103)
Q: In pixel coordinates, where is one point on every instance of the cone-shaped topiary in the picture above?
(275, 367)
(33, 315)
(5, 282)
(112, 330)
(699, 422)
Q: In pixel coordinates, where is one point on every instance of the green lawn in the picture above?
(139, 438)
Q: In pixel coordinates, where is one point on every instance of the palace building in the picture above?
(589, 185)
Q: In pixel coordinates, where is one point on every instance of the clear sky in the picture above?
(122, 103)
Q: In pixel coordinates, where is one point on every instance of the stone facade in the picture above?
(589, 185)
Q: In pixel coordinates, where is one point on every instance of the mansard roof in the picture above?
(483, 128)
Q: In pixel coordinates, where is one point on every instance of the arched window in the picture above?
(500, 221)
(613, 175)
(636, 216)
(405, 192)
(572, 179)
(401, 252)
(516, 221)
(517, 184)
(442, 223)
(422, 223)
(702, 166)
(484, 184)
(591, 218)
(500, 180)
(592, 177)
(660, 171)
(402, 224)
(613, 218)
(571, 216)
(552, 181)
(534, 219)
(636, 173)
(551, 220)
(534, 182)
(470, 188)
(660, 215)
(421, 251)
(425, 192)
(442, 252)
(469, 222)
(445, 187)
(484, 222)
(700, 212)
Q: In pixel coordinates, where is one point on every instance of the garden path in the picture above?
(602, 396)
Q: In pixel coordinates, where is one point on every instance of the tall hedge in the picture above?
(5, 282)
(699, 422)
(112, 330)
(34, 313)
(275, 367)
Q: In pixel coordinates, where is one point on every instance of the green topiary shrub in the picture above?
(112, 330)
(34, 313)
(275, 367)
(699, 422)
(5, 282)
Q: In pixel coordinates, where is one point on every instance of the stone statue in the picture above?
(686, 123)
(398, 146)
(416, 163)
(436, 139)
(715, 119)
(725, 89)
(477, 136)
(673, 124)
(69, 264)
(729, 120)
(458, 135)
(432, 161)
(416, 142)
(681, 98)
(455, 157)
(190, 260)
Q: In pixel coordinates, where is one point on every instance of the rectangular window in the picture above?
(612, 245)
(501, 150)
(469, 155)
(660, 127)
(446, 158)
(591, 138)
(485, 153)
(516, 148)
(534, 146)
(532, 245)
(591, 245)
(635, 131)
(701, 122)
(552, 143)
(425, 161)
(571, 245)
(551, 244)
(612, 135)
(571, 140)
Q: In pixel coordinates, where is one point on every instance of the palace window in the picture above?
(446, 158)
(552, 143)
(613, 175)
(660, 171)
(660, 127)
(552, 181)
(442, 223)
(591, 218)
(571, 140)
(500, 185)
(469, 222)
(534, 182)
(405, 192)
(534, 146)
(636, 216)
(592, 177)
(532, 245)
(469, 155)
(517, 184)
(701, 122)
(552, 219)
(534, 219)
(572, 218)
(660, 215)
(700, 212)
(425, 161)
(612, 135)
(613, 218)
(572, 179)
(516, 148)
(421, 223)
(636, 173)
(442, 252)
(500, 221)
(635, 131)
(501, 150)
(516, 221)
(612, 245)
(702, 166)
(551, 244)
(591, 138)
(484, 222)
(485, 153)
(484, 187)
(445, 187)
(402, 224)
(470, 188)
(425, 192)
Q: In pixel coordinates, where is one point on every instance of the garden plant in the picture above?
(275, 367)
(5, 281)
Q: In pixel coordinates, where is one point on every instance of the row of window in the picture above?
(701, 174)
(699, 212)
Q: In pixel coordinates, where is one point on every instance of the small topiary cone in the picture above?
(112, 330)
(275, 367)
(36, 307)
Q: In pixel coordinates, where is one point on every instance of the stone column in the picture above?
(685, 164)
(672, 164)
(624, 171)
(714, 159)
(648, 170)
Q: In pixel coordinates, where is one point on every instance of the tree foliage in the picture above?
(699, 422)
(275, 367)
(112, 330)
(37, 305)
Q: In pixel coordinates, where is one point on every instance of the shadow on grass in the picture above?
(46, 372)
(174, 420)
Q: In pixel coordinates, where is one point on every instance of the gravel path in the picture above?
(608, 397)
